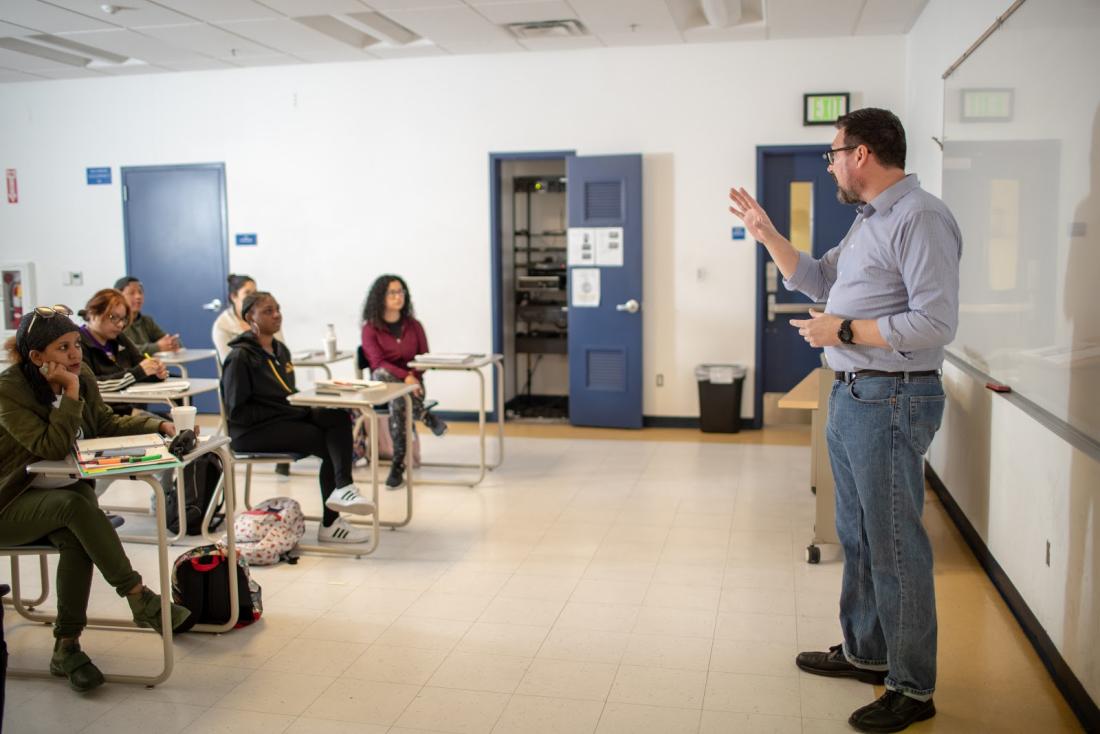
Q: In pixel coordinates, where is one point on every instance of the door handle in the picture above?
(631, 306)
(776, 308)
(215, 305)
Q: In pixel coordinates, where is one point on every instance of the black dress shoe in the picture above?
(835, 665)
(893, 711)
(397, 475)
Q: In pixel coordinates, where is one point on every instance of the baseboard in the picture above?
(1075, 694)
(669, 421)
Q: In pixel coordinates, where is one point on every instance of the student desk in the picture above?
(171, 398)
(475, 366)
(182, 357)
(67, 468)
(319, 361)
(365, 401)
(812, 394)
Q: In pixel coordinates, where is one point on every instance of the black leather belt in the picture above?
(848, 377)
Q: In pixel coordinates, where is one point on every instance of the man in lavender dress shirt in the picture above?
(892, 286)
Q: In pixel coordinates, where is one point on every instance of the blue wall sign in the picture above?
(738, 233)
(98, 175)
(247, 239)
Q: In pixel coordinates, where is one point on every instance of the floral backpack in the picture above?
(269, 532)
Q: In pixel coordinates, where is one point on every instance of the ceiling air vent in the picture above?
(547, 29)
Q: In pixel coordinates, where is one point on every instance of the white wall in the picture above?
(347, 170)
(1019, 485)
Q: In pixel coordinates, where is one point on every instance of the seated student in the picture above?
(230, 324)
(115, 361)
(256, 379)
(47, 401)
(143, 331)
(392, 337)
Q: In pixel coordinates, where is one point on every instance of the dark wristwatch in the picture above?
(845, 331)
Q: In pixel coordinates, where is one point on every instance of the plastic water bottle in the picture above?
(330, 342)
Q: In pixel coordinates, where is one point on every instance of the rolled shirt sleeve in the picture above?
(814, 277)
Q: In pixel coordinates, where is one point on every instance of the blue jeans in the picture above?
(878, 431)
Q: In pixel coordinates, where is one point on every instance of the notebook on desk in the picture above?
(334, 387)
(122, 454)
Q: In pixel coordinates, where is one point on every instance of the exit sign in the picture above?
(822, 108)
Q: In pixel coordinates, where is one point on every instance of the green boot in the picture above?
(146, 609)
(69, 661)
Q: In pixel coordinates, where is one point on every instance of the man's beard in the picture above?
(846, 196)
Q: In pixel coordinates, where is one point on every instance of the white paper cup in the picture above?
(184, 417)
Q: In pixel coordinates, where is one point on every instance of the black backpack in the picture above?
(200, 478)
(200, 582)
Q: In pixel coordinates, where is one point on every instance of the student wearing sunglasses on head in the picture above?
(48, 399)
(113, 358)
(256, 379)
(143, 330)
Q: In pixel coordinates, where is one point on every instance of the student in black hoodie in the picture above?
(256, 379)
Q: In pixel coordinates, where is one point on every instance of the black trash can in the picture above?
(720, 388)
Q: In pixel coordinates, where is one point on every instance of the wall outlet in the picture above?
(660, 380)
(74, 278)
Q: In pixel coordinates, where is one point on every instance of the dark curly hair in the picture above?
(374, 308)
(878, 129)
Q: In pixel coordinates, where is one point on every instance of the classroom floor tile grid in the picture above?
(585, 586)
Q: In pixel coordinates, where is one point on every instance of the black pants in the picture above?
(325, 433)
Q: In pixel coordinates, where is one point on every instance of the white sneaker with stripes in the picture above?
(348, 499)
(341, 531)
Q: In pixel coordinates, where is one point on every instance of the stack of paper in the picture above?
(122, 454)
(446, 358)
(159, 387)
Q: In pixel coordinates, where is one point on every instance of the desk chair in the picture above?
(249, 459)
(385, 446)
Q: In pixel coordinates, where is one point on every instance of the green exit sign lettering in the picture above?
(986, 105)
(823, 108)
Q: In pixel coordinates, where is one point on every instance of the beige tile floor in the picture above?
(599, 581)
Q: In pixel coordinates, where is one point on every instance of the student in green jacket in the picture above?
(47, 401)
(143, 330)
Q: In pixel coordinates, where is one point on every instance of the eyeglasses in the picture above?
(397, 292)
(48, 312)
(830, 155)
(116, 320)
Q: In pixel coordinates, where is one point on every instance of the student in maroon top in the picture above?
(392, 337)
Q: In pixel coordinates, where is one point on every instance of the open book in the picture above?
(122, 454)
(338, 386)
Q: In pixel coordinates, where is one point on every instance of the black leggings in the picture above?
(325, 433)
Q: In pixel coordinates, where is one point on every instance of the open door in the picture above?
(604, 290)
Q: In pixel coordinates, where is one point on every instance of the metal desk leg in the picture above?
(498, 367)
(229, 492)
(43, 585)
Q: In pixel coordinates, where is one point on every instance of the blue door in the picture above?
(605, 333)
(799, 194)
(175, 224)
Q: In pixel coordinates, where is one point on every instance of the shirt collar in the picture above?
(890, 196)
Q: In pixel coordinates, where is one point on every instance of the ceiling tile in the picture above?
(500, 46)
(610, 16)
(130, 13)
(337, 53)
(706, 34)
(208, 40)
(219, 10)
(526, 12)
(884, 17)
(133, 44)
(6, 29)
(47, 18)
(273, 60)
(408, 51)
(559, 44)
(131, 70)
(385, 5)
(442, 25)
(294, 8)
(641, 37)
(10, 75)
(812, 18)
(69, 72)
(28, 62)
(289, 37)
(199, 63)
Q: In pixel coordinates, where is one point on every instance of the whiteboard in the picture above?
(1021, 173)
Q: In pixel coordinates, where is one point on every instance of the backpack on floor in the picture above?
(200, 582)
(200, 479)
(360, 436)
(269, 532)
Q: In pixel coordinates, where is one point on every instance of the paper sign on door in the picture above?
(586, 287)
(609, 247)
(582, 246)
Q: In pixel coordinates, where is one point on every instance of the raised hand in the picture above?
(756, 220)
